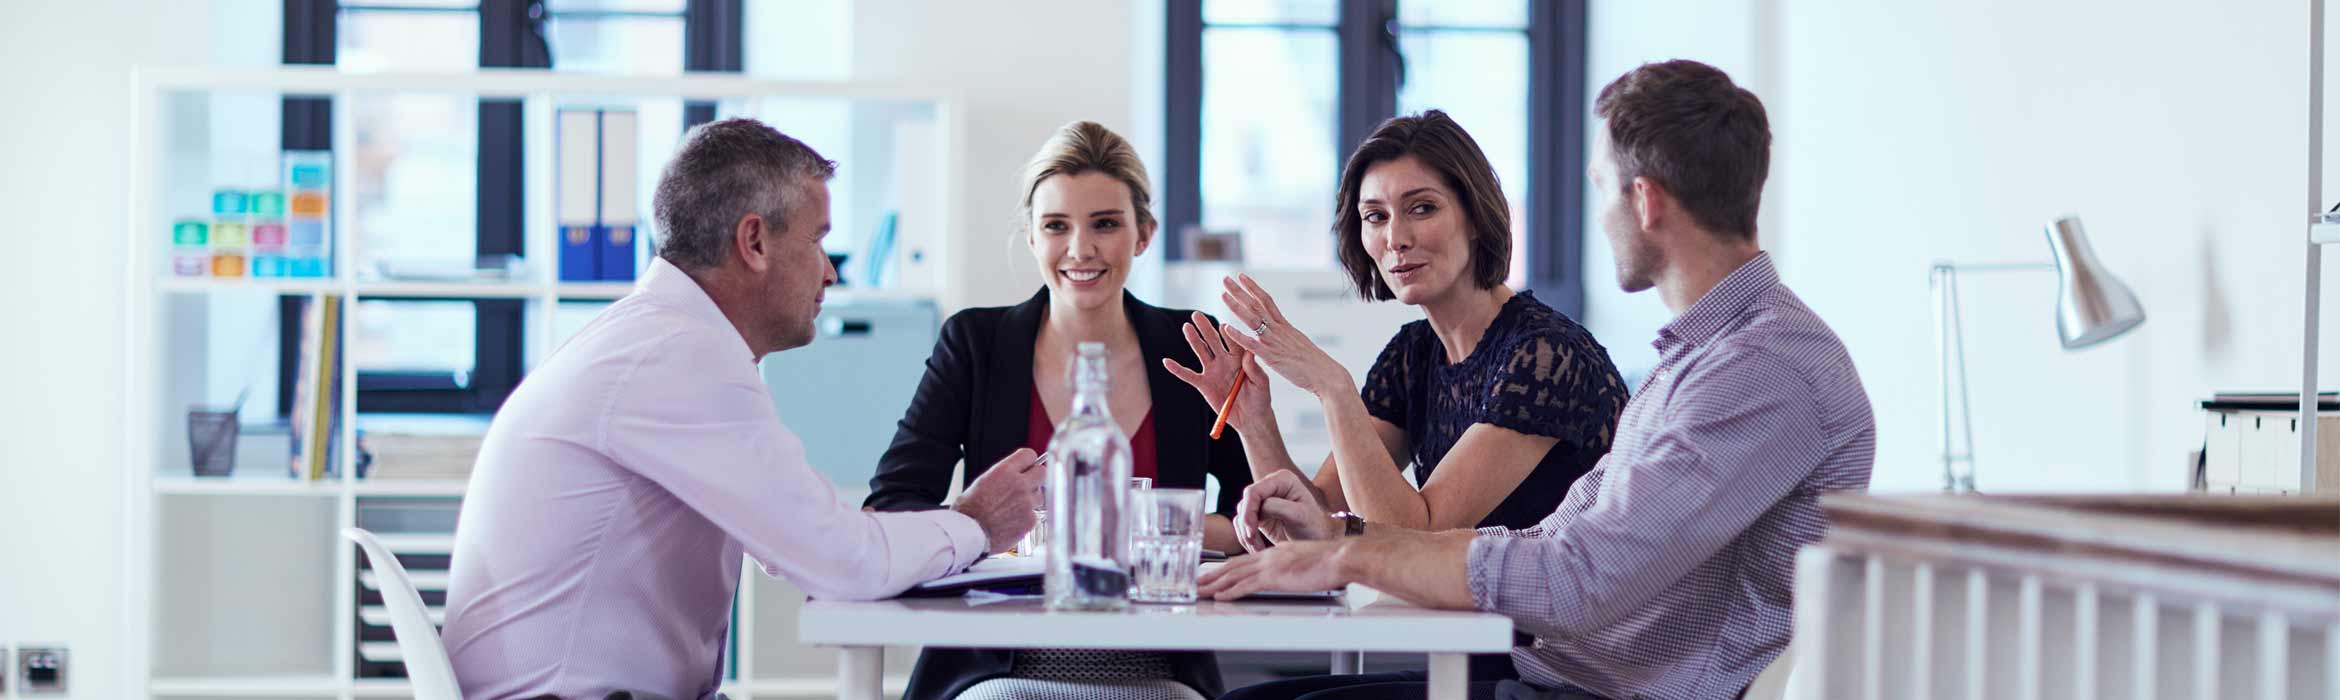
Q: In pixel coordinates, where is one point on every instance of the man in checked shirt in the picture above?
(1667, 572)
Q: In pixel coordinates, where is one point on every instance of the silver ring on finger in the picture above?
(1259, 329)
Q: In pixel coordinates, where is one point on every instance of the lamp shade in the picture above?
(2091, 305)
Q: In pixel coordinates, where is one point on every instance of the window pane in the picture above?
(799, 40)
(415, 336)
(1480, 79)
(361, 5)
(560, 6)
(1321, 12)
(1504, 14)
(417, 156)
(1268, 131)
(616, 45)
(416, 186)
(407, 41)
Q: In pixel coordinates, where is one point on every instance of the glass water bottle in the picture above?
(1088, 471)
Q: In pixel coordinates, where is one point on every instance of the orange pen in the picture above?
(1227, 405)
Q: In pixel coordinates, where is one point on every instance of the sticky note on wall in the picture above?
(228, 234)
(267, 204)
(307, 207)
(229, 203)
(268, 234)
(190, 232)
(308, 174)
(309, 204)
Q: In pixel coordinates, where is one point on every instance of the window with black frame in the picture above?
(1266, 98)
(440, 180)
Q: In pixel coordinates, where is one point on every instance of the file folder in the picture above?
(576, 196)
(618, 212)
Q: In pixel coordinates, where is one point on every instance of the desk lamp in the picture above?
(2091, 307)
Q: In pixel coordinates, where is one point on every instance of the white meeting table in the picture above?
(861, 631)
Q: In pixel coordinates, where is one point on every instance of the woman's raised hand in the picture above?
(1222, 366)
(1272, 339)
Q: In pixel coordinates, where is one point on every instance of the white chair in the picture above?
(1772, 683)
(426, 661)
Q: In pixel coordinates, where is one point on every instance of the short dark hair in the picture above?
(725, 170)
(1687, 127)
(1447, 149)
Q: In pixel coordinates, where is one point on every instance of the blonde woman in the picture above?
(998, 380)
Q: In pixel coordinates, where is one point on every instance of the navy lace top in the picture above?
(1534, 371)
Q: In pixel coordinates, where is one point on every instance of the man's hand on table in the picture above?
(1301, 566)
(1001, 500)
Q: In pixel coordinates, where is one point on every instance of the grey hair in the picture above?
(725, 170)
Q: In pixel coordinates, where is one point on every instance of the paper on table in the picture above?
(995, 572)
(1017, 573)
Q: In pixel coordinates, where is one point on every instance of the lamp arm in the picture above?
(1950, 355)
(1955, 267)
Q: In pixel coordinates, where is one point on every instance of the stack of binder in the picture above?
(594, 202)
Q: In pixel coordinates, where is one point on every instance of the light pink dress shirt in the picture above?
(600, 540)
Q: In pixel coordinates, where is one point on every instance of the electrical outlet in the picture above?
(40, 670)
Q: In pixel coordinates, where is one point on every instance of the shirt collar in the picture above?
(667, 285)
(1721, 305)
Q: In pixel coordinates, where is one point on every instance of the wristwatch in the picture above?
(1352, 523)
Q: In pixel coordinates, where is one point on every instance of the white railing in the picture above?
(1940, 598)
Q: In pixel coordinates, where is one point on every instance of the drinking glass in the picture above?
(1035, 541)
(1166, 530)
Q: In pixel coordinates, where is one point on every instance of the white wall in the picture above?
(1624, 35)
(1908, 132)
(67, 82)
(1024, 69)
(1922, 130)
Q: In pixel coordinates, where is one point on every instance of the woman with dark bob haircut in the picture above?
(1497, 401)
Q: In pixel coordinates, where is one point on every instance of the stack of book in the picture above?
(316, 407)
(421, 446)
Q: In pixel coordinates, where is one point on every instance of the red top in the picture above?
(1038, 430)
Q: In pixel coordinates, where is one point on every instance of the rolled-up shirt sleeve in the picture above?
(710, 436)
(1740, 432)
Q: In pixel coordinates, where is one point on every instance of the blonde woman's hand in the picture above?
(1222, 366)
(1272, 339)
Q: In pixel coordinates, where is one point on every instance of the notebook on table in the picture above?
(1024, 576)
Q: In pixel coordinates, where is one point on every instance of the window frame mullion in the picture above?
(712, 43)
(1369, 71)
(1558, 118)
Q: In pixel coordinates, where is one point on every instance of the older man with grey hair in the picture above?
(600, 541)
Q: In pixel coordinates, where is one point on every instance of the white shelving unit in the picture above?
(2319, 234)
(238, 586)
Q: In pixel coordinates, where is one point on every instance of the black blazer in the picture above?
(977, 396)
(973, 405)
